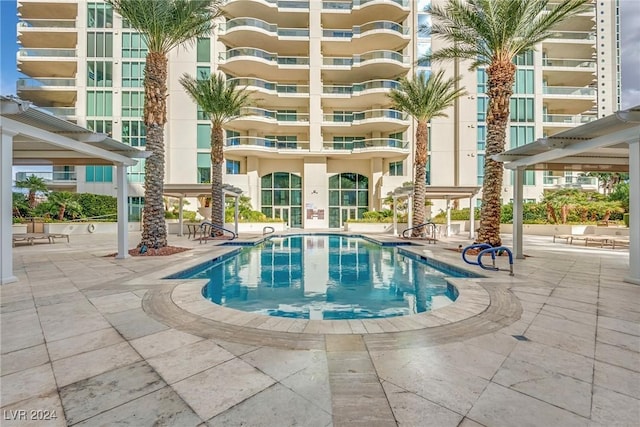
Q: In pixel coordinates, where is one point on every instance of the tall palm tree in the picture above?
(491, 33)
(34, 184)
(164, 25)
(63, 202)
(424, 98)
(221, 101)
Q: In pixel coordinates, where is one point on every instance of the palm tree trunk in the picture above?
(217, 159)
(420, 180)
(501, 76)
(32, 199)
(154, 228)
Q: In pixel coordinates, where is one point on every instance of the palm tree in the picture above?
(221, 101)
(61, 202)
(424, 98)
(164, 25)
(34, 184)
(491, 34)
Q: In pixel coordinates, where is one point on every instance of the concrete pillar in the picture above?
(123, 212)
(235, 212)
(448, 217)
(180, 216)
(634, 213)
(6, 209)
(517, 213)
(395, 216)
(472, 218)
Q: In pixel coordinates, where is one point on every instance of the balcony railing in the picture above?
(47, 23)
(60, 111)
(350, 117)
(48, 176)
(271, 86)
(368, 56)
(567, 118)
(360, 144)
(570, 181)
(266, 142)
(360, 87)
(260, 24)
(370, 26)
(573, 35)
(280, 116)
(572, 63)
(48, 53)
(262, 54)
(569, 91)
(347, 5)
(41, 82)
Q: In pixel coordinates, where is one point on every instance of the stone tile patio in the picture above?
(99, 341)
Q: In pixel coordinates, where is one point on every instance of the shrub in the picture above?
(94, 205)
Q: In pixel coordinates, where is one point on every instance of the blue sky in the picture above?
(630, 39)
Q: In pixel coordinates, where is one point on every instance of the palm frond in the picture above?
(165, 24)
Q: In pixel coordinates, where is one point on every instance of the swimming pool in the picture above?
(325, 277)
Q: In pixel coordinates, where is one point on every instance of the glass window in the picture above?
(522, 109)
(133, 74)
(99, 103)
(136, 173)
(482, 137)
(203, 73)
(524, 82)
(281, 180)
(101, 126)
(203, 50)
(482, 80)
(99, 73)
(520, 135)
(99, 15)
(529, 178)
(132, 104)
(136, 204)
(525, 58)
(134, 133)
(276, 192)
(233, 167)
(396, 168)
(99, 174)
(203, 137)
(483, 104)
(480, 165)
(204, 168)
(133, 45)
(99, 45)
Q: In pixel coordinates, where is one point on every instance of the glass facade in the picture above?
(99, 174)
(281, 197)
(348, 198)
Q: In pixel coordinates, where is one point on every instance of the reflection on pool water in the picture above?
(325, 277)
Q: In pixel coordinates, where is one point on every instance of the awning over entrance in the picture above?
(437, 192)
(31, 136)
(610, 144)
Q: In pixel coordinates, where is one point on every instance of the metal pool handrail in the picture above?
(432, 229)
(267, 229)
(488, 249)
(205, 224)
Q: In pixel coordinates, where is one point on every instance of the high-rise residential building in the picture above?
(321, 142)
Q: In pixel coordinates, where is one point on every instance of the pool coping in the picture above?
(484, 304)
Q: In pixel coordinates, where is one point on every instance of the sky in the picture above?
(630, 43)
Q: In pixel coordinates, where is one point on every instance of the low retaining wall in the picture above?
(87, 227)
(553, 229)
(19, 228)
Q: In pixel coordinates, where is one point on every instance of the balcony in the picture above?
(385, 64)
(44, 91)
(341, 13)
(54, 179)
(571, 36)
(252, 145)
(570, 64)
(564, 121)
(358, 95)
(383, 35)
(577, 182)
(275, 94)
(268, 120)
(67, 113)
(380, 120)
(281, 12)
(47, 62)
(48, 33)
(367, 148)
(268, 65)
(271, 37)
(569, 99)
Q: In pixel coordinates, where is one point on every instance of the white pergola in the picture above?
(180, 191)
(609, 144)
(447, 193)
(31, 136)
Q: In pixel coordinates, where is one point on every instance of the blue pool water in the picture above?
(325, 277)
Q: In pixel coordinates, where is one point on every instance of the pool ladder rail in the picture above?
(267, 229)
(488, 249)
(430, 231)
(207, 229)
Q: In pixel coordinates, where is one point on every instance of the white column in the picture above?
(517, 213)
(634, 213)
(409, 211)
(395, 216)
(472, 218)
(235, 213)
(448, 217)
(180, 216)
(123, 212)
(6, 209)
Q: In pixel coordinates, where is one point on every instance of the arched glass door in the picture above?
(281, 197)
(348, 198)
